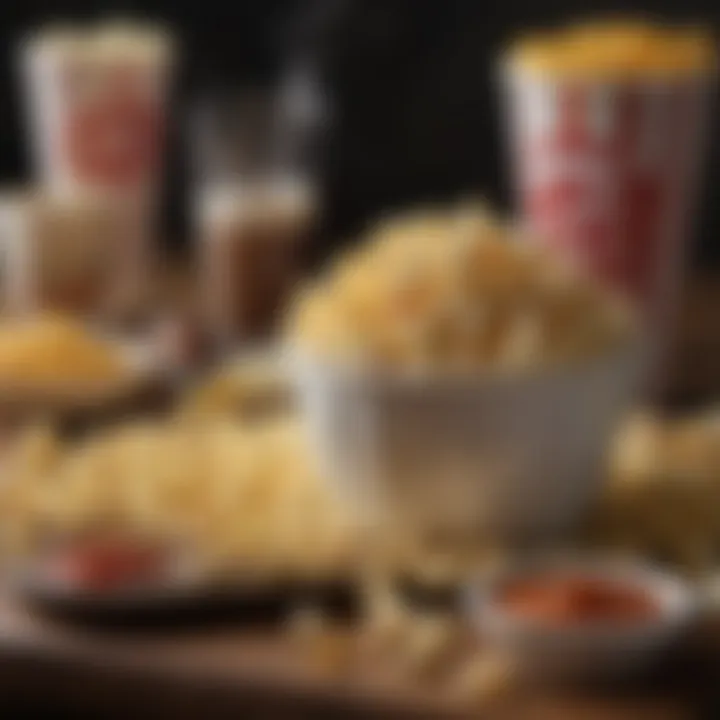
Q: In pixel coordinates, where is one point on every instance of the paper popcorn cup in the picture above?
(606, 173)
(97, 101)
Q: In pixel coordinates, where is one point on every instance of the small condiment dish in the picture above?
(73, 575)
(569, 638)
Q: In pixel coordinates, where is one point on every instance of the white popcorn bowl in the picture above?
(598, 652)
(513, 455)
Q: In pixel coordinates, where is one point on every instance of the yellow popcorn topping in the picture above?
(617, 49)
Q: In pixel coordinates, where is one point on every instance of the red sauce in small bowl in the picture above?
(576, 599)
(107, 564)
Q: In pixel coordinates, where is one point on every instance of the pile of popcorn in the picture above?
(104, 41)
(455, 290)
(664, 490)
(252, 387)
(243, 499)
(51, 349)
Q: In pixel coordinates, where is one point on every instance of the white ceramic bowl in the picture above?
(591, 652)
(509, 454)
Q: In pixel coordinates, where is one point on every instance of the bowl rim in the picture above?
(629, 351)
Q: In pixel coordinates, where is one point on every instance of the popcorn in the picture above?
(243, 497)
(388, 621)
(430, 645)
(253, 387)
(54, 349)
(484, 678)
(109, 41)
(617, 49)
(455, 290)
(664, 490)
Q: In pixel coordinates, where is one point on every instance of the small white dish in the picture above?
(584, 651)
(179, 578)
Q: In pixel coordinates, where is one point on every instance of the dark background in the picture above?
(409, 82)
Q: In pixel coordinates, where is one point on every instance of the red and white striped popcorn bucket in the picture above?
(606, 173)
(97, 117)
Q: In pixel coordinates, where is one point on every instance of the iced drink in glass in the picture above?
(250, 238)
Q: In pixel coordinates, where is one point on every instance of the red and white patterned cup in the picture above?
(606, 173)
(97, 102)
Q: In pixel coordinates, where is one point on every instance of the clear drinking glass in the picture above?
(255, 204)
(56, 253)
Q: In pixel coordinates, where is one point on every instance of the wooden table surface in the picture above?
(231, 671)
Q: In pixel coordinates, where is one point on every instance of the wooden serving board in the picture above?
(234, 671)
